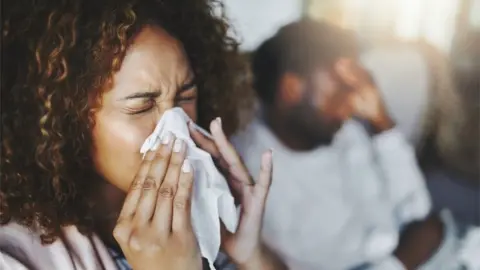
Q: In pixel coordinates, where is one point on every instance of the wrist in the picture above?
(405, 261)
(381, 124)
(263, 259)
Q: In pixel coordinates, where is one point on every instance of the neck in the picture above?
(109, 204)
(289, 131)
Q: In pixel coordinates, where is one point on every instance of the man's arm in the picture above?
(405, 185)
(419, 241)
(422, 235)
(404, 180)
(428, 245)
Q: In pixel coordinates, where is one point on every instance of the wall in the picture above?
(257, 20)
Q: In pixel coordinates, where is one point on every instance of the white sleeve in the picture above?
(389, 263)
(405, 183)
(445, 257)
(7, 262)
(447, 254)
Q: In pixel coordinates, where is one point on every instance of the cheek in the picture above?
(117, 143)
(333, 104)
(191, 110)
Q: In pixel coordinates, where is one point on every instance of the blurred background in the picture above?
(451, 31)
(447, 24)
(431, 105)
(450, 27)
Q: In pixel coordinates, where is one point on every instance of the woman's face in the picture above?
(155, 76)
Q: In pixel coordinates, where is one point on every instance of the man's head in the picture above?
(300, 74)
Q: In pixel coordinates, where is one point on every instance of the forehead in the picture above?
(154, 60)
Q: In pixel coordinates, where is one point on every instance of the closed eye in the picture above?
(188, 86)
(146, 105)
(187, 92)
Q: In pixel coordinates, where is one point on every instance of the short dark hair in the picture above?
(299, 47)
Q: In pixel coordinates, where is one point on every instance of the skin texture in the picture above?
(143, 89)
(154, 227)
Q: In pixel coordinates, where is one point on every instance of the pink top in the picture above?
(21, 249)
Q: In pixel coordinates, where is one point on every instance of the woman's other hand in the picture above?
(154, 228)
(244, 247)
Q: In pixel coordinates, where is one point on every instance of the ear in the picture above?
(347, 71)
(291, 88)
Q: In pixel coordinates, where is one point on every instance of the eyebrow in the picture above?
(157, 93)
(146, 94)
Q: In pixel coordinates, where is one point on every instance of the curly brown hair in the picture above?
(56, 55)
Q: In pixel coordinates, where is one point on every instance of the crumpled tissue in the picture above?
(211, 199)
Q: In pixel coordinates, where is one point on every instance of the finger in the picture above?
(173, 170)
(161, 159)
(346, 71)
(183, 198)
(228, 153)
(203, 141)
(135, 190)
(162, 219)
(252, 214)
(156, 173)
(265, 178)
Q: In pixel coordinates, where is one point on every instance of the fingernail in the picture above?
(177, 147)
(186, 167)
(167, 138)
(156, 144)
(216, 125)
(267, 160)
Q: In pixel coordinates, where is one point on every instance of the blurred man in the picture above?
(340, 195)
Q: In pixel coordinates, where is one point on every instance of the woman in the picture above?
(84, 84)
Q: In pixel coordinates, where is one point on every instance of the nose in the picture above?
(161, 108)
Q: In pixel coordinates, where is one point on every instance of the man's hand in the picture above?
(368, 105)
(365, 100)
(419, 241)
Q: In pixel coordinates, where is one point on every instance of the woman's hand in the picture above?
(154, 228)
(244, 247)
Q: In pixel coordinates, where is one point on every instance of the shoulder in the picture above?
(19, 246)
(22, 247)
(13, 234)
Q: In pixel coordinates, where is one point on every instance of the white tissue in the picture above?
(211, 199)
